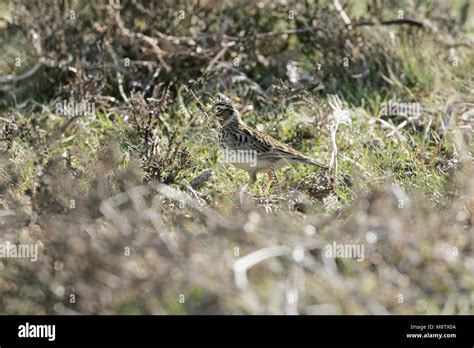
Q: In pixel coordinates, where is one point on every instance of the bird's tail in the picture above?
(317, 164)
(298, 157)
(310, 161)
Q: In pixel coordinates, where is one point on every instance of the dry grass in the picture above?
(135, 212)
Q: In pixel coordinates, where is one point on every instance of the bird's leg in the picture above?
(272, 176)
(278, 185)
(269, 183)
(252, 177)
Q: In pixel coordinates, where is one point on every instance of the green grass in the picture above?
(402, 190)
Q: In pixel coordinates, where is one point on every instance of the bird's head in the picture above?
(224, 112)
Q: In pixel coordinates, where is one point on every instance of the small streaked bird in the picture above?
(236, 137)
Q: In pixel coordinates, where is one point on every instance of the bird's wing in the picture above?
(255, 140)
(271, 149)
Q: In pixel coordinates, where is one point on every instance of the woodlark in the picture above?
(252, 150)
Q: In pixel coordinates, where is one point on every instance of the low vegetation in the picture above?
(110, 164)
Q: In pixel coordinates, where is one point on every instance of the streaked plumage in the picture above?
(271, 154)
